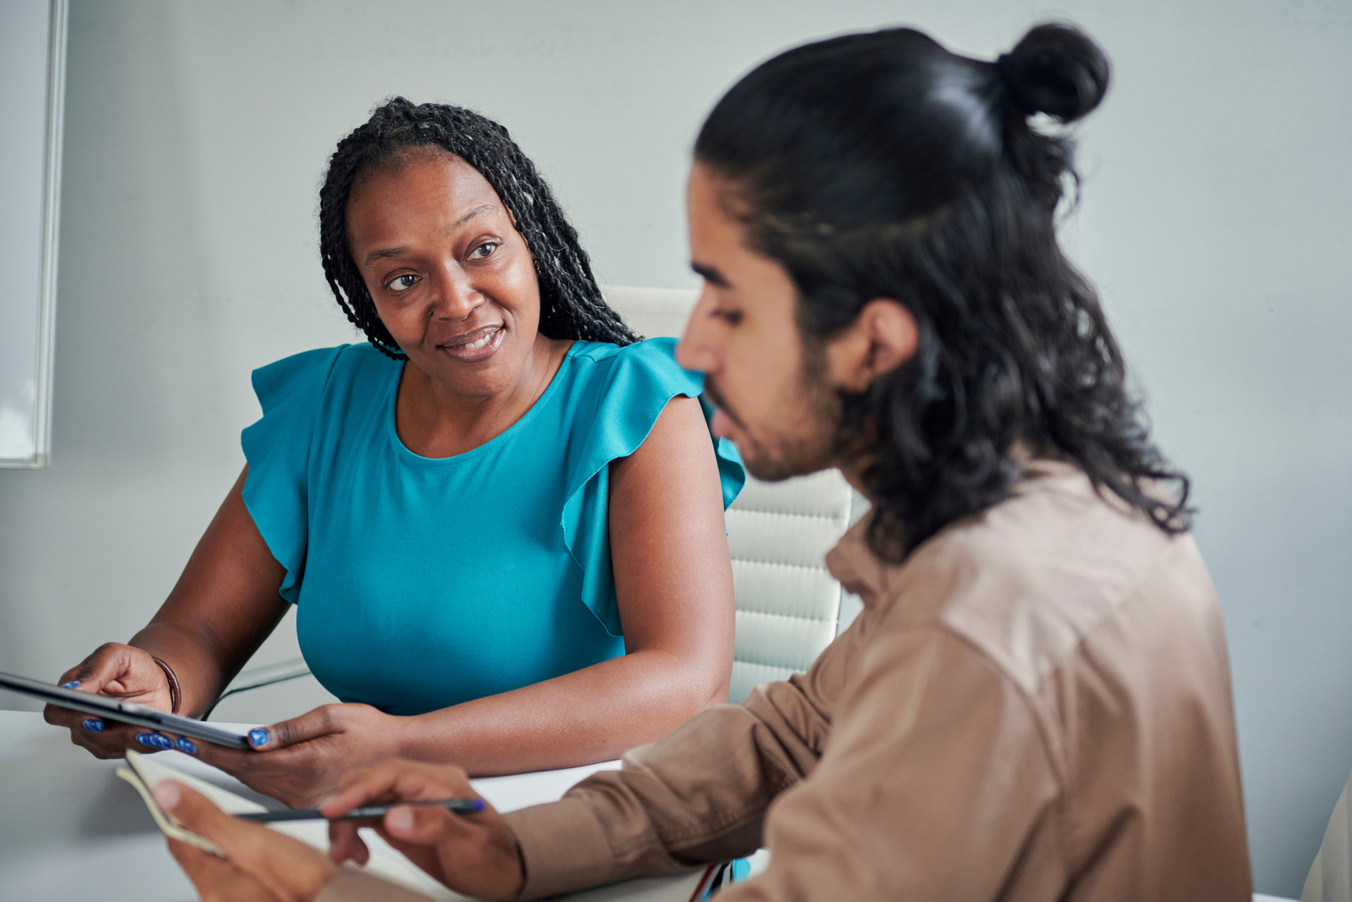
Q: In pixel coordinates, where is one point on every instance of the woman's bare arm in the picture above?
(673, 581)
(224, 605)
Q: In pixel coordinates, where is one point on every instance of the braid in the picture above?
(571, 305)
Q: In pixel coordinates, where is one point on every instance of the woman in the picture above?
(501, 520)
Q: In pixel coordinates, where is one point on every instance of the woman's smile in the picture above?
(472, 347)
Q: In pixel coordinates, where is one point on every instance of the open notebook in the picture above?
(144, 772)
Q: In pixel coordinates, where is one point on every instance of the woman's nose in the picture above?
(456, 295)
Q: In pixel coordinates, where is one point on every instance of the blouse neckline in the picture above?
(390, 412)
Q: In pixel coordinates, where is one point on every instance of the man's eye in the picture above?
(484, 250)
(731, 317)
(401, 283)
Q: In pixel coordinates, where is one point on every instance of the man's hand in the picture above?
(300, 761)
(472, 854)
(260, 865)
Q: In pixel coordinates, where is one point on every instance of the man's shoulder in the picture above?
(1028, 581)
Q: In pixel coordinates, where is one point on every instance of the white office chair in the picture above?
(778, 534)
(1330, 877)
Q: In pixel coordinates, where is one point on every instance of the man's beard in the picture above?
(814, 405)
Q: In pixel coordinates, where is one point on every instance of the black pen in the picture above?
(365, 812)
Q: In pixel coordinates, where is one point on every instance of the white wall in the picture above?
(1216, 211)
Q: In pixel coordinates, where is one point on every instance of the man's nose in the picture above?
(698, 347)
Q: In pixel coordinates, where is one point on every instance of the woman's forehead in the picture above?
(422, 183)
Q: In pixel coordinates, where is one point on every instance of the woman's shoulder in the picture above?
(648, 365)
(314, 372)
(345, 358)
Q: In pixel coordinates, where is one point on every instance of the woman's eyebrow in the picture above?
(471, 214)
(382, 253)
(386, 252)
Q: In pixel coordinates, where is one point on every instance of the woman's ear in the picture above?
(881, 338)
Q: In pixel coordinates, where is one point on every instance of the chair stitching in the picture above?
(800, 667)
(787, 616)
(754, 510)
(751, 560)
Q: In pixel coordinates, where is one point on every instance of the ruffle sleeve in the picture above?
(277, 448)
(631, 387)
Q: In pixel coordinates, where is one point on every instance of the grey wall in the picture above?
(1215, 216)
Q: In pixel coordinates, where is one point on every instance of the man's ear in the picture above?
(882, 338)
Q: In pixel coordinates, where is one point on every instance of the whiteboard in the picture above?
(32, 81)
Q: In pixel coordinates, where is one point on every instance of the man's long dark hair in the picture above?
(882, 165)
(571, 305)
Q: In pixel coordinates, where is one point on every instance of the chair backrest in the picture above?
(778, 533)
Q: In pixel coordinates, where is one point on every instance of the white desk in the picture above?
(70, 829)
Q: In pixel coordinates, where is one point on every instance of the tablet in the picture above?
(125, 712)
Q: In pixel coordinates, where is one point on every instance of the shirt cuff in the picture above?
(563, 848)
(351, 885)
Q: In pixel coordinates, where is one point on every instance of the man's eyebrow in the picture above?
(709, 274)
(387, 252)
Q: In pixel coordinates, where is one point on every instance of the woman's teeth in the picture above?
(481, 342)
(476, 344)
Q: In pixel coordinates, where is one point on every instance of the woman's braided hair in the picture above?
(571, 305)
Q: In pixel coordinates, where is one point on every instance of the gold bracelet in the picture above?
(175, 695)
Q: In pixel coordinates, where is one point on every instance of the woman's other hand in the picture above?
(300, 761)
(117, 671)
(260, 865)
(473, 854)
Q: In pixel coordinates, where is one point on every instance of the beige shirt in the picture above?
(1034, 705)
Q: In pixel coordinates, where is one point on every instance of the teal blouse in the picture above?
(421, 583)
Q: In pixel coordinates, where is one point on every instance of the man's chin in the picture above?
(772, 468)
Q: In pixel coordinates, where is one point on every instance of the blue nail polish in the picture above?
(185, 745)
(93, 726)
(71, 685)
(146, 739)
(259, 737)
(163, 742)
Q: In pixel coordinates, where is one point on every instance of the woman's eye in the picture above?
(484, 250)
(401, 283)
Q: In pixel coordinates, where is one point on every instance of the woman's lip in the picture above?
(462, 350)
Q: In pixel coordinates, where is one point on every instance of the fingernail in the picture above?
(146, 739)
(162, 741)
(185, 745)
(93, 726)
(71, 685)
(167, 795)
(400, 819)
(259, 738)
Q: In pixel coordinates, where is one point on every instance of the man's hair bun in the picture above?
(1055, 69)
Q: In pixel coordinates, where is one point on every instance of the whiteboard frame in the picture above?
(51, 222)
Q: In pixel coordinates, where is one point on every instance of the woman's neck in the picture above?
(433, 421)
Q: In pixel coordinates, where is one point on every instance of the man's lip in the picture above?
(720, 424)
(720, 407)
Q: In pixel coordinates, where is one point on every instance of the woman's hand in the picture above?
(117, 671)
(473, 854)
(260, 865)
(300, 761)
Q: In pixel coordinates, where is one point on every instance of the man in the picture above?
(1035, 702)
